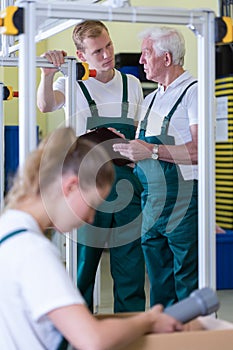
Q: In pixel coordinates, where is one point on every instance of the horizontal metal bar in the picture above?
(156, 15)
(54, 28)
(40, 62)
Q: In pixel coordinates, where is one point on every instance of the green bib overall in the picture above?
(117, 225)
(169, 225)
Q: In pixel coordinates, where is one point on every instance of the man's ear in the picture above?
(69, 184)
(168, 59)
(81, 56)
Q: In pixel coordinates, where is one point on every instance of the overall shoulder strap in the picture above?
(91, 102)
(63, 345)
(145, 120)
(125, 102)
(167, 118)
(11, 234)
(180, 99)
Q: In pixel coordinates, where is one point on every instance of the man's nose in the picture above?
(141, 59)
(106, 53)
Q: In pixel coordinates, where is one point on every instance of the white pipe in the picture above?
(27, 83)
(206, 154)
(70, 120)
(122, 14)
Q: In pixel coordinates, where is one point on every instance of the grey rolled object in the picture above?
(201, 302)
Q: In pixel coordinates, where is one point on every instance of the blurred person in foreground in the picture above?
(60, 185)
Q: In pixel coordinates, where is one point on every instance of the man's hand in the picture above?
(163, 323)
(56, 57)
(135, 150)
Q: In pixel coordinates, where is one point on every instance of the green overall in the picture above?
(64, 344)
(170, 222)
(117, 225)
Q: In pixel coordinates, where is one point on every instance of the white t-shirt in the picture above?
(33, 282)
(185, 115)
(107, 96)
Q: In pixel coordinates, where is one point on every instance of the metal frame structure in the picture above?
(201, 22)
(25, 146)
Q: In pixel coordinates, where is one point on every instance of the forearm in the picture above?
(139, 150)
(84, 331)
(94, 334)
(46, 100)
(118, 333)
(130, 329)
(179, 154)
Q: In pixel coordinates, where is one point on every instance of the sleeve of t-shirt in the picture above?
(60, 84)
(45, 283)
(192, 104)
(136, 94)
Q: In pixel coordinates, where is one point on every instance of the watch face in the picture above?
(154, 156)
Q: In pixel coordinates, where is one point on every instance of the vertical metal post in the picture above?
(27, 83)
(70, 111)
(71, 254)
(2, 156)
(72, 237)
(7, 41)
(206, 154)
(70, 120)
(97, 289)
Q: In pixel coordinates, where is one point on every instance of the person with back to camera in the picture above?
(166, 154)
(110, 99)
(60, 185)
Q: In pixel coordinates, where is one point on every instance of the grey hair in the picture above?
(166, 39)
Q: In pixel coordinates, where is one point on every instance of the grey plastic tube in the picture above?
(201, 302)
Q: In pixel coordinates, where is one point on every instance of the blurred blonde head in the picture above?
(59, 154)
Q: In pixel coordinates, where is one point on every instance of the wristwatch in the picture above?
(155, 151)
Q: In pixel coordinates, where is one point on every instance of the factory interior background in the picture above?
(124, 36)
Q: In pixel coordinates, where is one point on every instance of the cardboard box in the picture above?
(204, 333)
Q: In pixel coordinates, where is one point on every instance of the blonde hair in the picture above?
(87, 29)
(58, 154)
